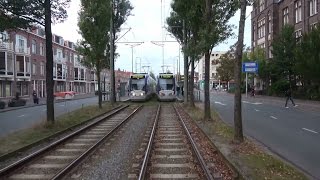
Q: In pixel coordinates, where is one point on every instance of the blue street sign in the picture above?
(250, 67)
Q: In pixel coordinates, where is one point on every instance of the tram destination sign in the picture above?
(138, 76)
(250, 67)
(166, 76)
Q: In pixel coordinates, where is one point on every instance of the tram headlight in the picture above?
(133, 94)
(141, 94)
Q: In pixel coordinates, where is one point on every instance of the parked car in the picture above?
(64, 95)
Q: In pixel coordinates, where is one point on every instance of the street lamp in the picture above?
(132, 46)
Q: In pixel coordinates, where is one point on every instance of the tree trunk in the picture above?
(112, 74)
(99, 89)
(207, 112)
(49, 64)
(185, 66)
(238, 136)
(191, 84)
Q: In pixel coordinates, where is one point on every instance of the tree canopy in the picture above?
(24, 13)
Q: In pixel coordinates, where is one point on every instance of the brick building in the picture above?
(269, 16)
(23, 65)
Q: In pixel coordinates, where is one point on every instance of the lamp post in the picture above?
(132, 46)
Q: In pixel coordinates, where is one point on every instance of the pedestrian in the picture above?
(253, 93)
(35, 97)
(288, 94)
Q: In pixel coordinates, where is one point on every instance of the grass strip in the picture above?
(253, 161)
(19, 139)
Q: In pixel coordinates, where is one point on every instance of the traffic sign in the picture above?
(250, 67)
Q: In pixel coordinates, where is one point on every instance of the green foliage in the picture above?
(24, 13)
(226, 68)
(279, 87)
(152, 75)
(283, 61)
(308, 56)
(94, 25)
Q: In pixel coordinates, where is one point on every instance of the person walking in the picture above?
(288, 94)
(35, 97)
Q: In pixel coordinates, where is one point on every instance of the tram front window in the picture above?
(137, 84)
(166, 84)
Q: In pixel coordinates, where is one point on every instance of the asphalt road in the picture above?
(14, 120)
(292, 133)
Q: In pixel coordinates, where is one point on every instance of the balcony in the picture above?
(6, 46)
(22, 50)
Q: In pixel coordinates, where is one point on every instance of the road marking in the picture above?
(257, 110)
(22, 115)
(255, 103)
(61, 104)
(273, 117)
(216, 102)
(310, 130)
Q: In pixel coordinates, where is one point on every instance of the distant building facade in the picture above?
(269, 16)
(23, 65)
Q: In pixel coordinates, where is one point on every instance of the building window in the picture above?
(41, 68)
(285, 15)
(313, 7)
(298, 11)
(34, 47)
(313, 26)
(261, 28)
(269, 23)
(298, 35)
(41, 49)
(254, 31)
(34, 68)
(261, 5)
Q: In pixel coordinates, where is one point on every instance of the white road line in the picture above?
(22, 115)
(255, 103)
(216, 102)
(257, 110)
(310, 130)
(273, 117)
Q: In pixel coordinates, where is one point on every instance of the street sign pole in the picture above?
(246, 84)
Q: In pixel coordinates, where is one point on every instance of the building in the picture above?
(23, 65)
(214, 64)
(269, 16)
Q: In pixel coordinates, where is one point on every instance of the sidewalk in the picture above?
(42, 101)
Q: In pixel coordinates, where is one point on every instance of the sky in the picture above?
(144, 25)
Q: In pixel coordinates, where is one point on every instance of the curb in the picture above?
(40, 104)
(24, 148)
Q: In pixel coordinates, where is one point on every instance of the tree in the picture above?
(226, 69)
(238, 135)
(216, 15)
(94, 18)
(308, 63)
(120, 11)
(283, 61)
(152, 75)
(25, 13)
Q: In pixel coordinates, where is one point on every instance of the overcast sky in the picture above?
(145, 24)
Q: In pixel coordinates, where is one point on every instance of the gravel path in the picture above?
(113, 160)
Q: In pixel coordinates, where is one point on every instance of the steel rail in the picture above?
(21, 162)
(147, 153)
(75, 162)
(36, 143)
(194, 147)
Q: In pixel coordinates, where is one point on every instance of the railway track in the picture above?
(171, 151)
(57, 159)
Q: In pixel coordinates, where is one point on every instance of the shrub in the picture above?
(2, 105)
(16, 102)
